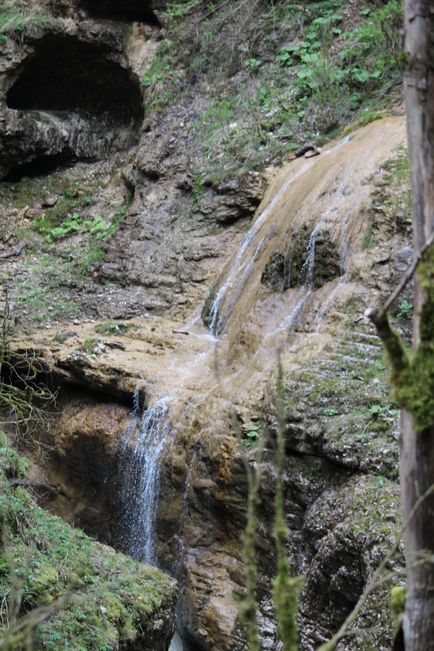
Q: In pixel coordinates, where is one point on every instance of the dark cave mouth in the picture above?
(41, 166)
(133, 11)
(76, 104)
(66, 74)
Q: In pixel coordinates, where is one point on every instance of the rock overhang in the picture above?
(70, 97)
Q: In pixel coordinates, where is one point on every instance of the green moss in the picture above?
(112, 599)
(414, 388)
(397, 600)
(414, 384)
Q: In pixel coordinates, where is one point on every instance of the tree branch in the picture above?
(405, 278)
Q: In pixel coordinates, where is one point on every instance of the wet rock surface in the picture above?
(83, 465)
(288, 269)
(341, 495)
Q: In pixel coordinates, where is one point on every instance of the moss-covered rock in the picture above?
(111, 601)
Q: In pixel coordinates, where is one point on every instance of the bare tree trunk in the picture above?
(417, 449)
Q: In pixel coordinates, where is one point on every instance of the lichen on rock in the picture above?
(414, 383)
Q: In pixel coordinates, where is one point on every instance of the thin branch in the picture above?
(406, 277)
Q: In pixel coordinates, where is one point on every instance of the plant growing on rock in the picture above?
(22, 397)
(286, 588)
(14, 21)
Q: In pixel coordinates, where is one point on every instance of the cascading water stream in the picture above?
(240, 268)
(308, 270)
(241, 298)
(141, 451)
(241, 265)
(142, 447)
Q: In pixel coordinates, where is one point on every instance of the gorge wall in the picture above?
(133, 270)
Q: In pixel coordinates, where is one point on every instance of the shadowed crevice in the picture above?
(132, 11)
(66, 74)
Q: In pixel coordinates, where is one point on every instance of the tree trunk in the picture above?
(417, 449)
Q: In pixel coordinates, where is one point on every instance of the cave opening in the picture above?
(41, 166)
(74, 103)
(133, 11)
(66, 74)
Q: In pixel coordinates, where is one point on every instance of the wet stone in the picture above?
(309, 259)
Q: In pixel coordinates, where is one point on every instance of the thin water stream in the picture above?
(238, 271)
(141, 450)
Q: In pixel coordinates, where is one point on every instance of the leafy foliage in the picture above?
(282, 72)
(15, 20)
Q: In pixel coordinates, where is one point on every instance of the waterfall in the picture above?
(241, 265)
(309, 264)
(224, 296)
(308, 269)
(141, 450)
(176, 644)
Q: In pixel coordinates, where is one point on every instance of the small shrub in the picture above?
(405, 311)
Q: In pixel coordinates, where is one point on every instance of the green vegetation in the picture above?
(65, 235)
(252, 435)
(298, 72)
(110, 599)
(89, 345)
(15, 20)
(397, 600)
(368, 237)
(398, 201)
(68, 216)
(372, 522)
(390, 213)
(114, 328)
(405, 311)
(286, 588)
(347, 402)
(247, 606)
(43, 291)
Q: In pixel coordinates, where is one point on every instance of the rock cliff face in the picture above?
(341, 429)
(126, 242)
(68, 95)
(70, 92)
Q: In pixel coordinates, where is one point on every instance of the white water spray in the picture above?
(143, 444)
